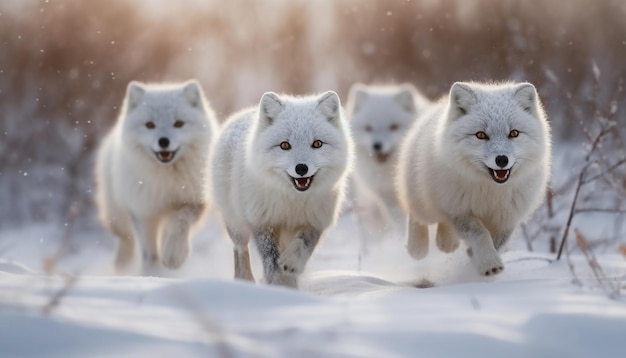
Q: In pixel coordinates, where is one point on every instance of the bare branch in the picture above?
(50, 262)
(572, 269)
(572, 211)
(527, 238)
(58, 296)
(606, 128)
(208, 325)
(531, 259)
(600, 210)
(613, 289)
(606, 171)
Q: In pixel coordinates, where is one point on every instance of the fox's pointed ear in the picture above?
(358, 96)
(329, 105)
(193, 93)
(526, 96)
(462, 99)
(406, 98)
(270, 107)
(134, 95)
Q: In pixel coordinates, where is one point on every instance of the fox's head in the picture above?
(380, 116)
(496, 131)
(302, 143)
(164, 121)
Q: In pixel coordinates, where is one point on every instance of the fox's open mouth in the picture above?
(302, 184)
(165, 156)
(500, 176)
(382, 157)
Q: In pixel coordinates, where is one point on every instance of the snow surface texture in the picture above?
(531, 310)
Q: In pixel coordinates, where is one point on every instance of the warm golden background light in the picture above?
(64, 66)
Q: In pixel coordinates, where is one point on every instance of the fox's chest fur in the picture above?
(378, 178)
(289, 209)
(499, 207)
(150, 187)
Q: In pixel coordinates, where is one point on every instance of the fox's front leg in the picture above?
(293, 260)
(266, 243)
(416, 238)
(482, 252)
(243, 270)
(177, 241)
(501, 239)
(446, 239)
(146, 231)
(125, 248)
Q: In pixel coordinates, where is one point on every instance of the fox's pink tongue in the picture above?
(164, 155)
(302, 182)
(501, 174)
(382, 157)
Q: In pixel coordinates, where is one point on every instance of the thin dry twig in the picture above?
(527, 237)
(209, 326)
(606, 283)
(607, 127)
(600, 210)
(55, 300)
(531, 259)
(572, 269)
(50, 262)
(572, 211)
(605, 172)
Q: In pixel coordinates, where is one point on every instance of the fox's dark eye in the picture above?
(150, 125)
(482, 135)
(317, 144)
(179, 124)
(285, 146)
(393, 127)
(514, 133)
(368, 128)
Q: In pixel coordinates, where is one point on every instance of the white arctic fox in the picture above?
(279, 173)
(151, 172)
(478, 165)
(380, 117)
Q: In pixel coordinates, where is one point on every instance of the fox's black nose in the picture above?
(377, 146)
(164, 142)
(502, 161)
(301, 169)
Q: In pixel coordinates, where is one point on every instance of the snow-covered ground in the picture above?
(346, 307)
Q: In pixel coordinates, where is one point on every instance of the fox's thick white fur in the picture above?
(254, 187)
(380, 117)
(443, 175)
(151, 191)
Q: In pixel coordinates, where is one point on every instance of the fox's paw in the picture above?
(446, 240)
(487, 261)
(417, 247)
(293, 259)
(286, 280)
(447, 246)
(416, 250)
(150, 265)
(124, 257)
(175, 251)
(417, 240)
(154, 271)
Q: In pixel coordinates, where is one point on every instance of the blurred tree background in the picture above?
(64, 66)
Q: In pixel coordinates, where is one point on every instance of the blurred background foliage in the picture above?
(64, 66)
